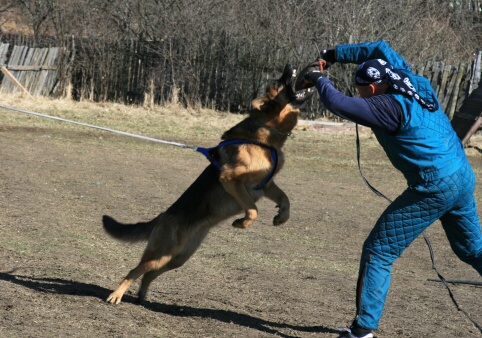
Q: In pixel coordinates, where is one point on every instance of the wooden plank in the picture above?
(3, 53)
(427, 71)
(37, 78)
(436, 68)
(7, 85)
(31, 68)
(22, 77)
(54, 80)
(23, 54)
(14, 80)
(15, 56)
(420, 70)
(25, 77)
(455, 94)
(50, 76)
(475, 82)
(46, 79)
(442, 88)
(449, 92)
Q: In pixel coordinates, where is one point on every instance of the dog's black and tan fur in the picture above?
(217, 194)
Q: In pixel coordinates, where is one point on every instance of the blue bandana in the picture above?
(380, 71)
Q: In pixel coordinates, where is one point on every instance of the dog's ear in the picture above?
(259, 102)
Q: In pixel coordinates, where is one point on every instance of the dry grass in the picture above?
(297, 280)
(153, 122)
(196, 127)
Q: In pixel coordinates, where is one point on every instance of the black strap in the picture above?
(425, 237)
(358, 151)
(444, 282)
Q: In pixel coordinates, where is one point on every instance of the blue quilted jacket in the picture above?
(426, 147)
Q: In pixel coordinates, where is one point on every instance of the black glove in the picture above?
(329, 55)
(311, 78)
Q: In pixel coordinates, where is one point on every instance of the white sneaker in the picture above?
(346, 333)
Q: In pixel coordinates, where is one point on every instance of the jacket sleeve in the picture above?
(380, 111)
(361, 52)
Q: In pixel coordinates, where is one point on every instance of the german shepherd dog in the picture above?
(220, 191)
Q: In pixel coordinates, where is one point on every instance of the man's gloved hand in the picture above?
(311, 78)
(329, 55)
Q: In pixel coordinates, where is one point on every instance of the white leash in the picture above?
(100, 128)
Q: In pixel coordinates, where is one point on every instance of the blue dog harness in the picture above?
(209, 153)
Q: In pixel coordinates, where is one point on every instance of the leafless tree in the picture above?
(217, 52)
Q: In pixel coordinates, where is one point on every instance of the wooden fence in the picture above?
(453, 83)
(129, 72)
(31, 70)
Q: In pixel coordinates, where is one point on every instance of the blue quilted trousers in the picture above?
(449, 199)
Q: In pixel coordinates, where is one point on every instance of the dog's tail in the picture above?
(129, 232)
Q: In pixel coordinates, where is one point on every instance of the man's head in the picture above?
(375, 77)
(371, 77)
(370, 90)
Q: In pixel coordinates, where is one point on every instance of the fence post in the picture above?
(474, 83)
(455, 94)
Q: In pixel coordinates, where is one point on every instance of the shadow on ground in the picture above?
(74, 288)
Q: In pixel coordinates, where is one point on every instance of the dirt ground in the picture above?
(57, 266)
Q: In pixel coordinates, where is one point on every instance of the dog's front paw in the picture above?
(242, 223)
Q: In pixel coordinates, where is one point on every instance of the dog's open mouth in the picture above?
(300, 94)
(299, 82)
(293, 92)
(304, 94)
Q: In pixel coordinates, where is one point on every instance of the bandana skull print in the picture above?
(380, 71)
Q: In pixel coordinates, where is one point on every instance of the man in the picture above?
(405, 116)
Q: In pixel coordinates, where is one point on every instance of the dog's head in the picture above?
(280, 93)
(278, 108)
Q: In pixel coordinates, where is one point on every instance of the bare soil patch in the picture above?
(57, 265)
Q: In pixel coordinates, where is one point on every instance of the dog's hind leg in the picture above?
(238, 191)
(189, 247)
(144, 267)
(146, 281)
(148, 277)
(274, 193)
